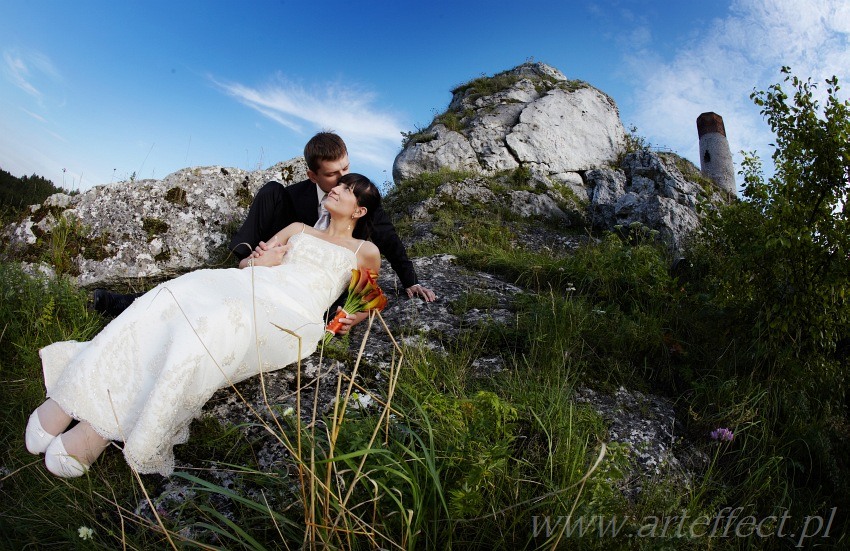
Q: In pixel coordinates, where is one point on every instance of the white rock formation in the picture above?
(651, 190)
(149, 228)
(568, 132)
(539, 119)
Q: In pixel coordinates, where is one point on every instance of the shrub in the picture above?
(772, 271)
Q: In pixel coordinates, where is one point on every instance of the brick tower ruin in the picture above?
(715, 158)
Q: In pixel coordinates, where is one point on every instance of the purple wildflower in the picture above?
(722, 434)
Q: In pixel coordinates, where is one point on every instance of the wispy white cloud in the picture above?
(36, 116)
(372, 136)
(719, 69)
(57, 136)
(23, 69)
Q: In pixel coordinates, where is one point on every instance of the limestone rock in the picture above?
(149, 228)
(467, 192)
(441, 148)
(530, 116)
(528, 204)
(574, 183)
(555, 150)
(568, 131)
(646, 425)
(650, 189)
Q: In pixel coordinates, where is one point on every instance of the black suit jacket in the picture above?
(276, 206)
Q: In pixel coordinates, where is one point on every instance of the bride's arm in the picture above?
(271, 253)
(282, 237)
(367, 257)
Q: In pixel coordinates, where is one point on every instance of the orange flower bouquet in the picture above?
(364, 294)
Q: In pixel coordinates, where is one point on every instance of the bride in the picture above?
(148, 373)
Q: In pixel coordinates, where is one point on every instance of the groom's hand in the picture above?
(424, 293)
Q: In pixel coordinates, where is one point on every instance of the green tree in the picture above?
(781, 255)
(771, 284)
(16, 194)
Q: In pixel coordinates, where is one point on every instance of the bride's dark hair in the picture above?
(368, 196)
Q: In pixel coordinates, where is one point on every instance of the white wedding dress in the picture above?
(148, 373)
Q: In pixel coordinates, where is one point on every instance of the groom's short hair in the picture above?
(324, 146)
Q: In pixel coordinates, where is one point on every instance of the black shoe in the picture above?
(100, 300)
(111, 304)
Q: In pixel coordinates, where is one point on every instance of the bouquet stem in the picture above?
(334, 325)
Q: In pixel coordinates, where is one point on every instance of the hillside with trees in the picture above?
(16, 194)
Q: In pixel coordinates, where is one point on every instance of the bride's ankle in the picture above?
(83, 443)
(52, 417)
(44, 425)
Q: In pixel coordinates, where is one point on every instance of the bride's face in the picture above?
(342, 201)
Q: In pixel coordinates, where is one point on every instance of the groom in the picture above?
(276, 206)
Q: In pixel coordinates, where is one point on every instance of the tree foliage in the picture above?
(16, 194)
(781, 254)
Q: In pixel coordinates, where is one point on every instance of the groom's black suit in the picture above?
(276, 206)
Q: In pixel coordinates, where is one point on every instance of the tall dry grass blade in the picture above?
(153, 509)
(120, 516)
(136, 474)
(310, 512)
(385, 413)
(141, 521)
(274, 521)
(332, 440)
(337, 423)
(21, 468)
(340, 410)
(395, 366)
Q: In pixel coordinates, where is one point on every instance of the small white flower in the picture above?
(288, 411)
(85, 532)
(364, 400)
(598, 311)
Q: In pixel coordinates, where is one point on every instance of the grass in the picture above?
(38, 509)
(458, 120)
(446, 458)
(487, 86)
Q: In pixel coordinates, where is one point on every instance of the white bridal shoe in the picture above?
(58, 462)
(37, 439)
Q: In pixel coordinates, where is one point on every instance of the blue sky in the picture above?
(93, 91)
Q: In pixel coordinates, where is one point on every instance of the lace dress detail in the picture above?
(148, 373)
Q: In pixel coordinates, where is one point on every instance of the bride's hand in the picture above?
(350, 321)
(270, 256)
(273, 256)
(264, 246)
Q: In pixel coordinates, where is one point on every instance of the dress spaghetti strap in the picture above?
(303, 227)
(360, 245)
